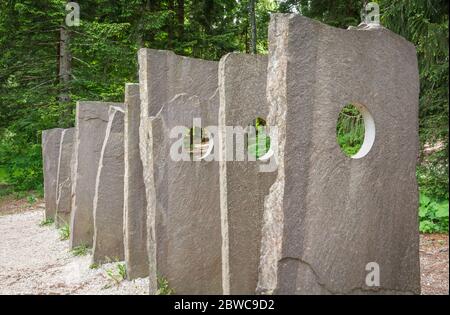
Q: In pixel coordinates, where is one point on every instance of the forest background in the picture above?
(46, 67)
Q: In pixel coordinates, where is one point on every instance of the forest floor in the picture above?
(33, 259)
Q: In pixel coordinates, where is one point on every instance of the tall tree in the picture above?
(252, 14)
(180, 18)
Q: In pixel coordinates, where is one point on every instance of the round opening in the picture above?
(355, 130)
(258, 144)
(198, 142)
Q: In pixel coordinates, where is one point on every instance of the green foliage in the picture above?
(117, 274)
(80, 250)
(258, 139)
(104, 48)
(163, 287)
(350, 130)
(3, 175)
(340, 13)
(94, 266)
(22, 163)
(433, 215)
(31, 199)
(425, 23)
(64, 232)
(122, 270)
(432, 175)
(46, 222)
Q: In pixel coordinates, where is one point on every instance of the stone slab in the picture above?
(135, 202)
(50, 154)
(329, 216)
(64, 179)
(185, 207)
(90, 130)
(109, 193)
(242, 82)
(162, 76)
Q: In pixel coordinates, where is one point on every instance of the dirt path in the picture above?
(434, 263)
(33, 260)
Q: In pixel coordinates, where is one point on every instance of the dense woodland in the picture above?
(45, 67)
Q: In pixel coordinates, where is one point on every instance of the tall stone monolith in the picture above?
(90, 129)
(50, 155)
(336, 224)
(109, 192)
(64, 179)
(242, 82)
(135, 202)
(184, 201)
(162, 76)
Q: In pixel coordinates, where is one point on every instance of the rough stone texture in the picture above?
(64, 181)
(90, 128)
(185, 205)
(109, 192)
(50, 154)
(242, 84)
(328, 215)
(163, 75)
(135, 203)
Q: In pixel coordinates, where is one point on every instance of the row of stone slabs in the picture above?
(223, 227)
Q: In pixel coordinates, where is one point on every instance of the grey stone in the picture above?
(242, 84)
(109, 192)
(163, 75)
(50, 154)
(135, 202)
(90, 128)
(184, 206)
(64, 180)
(328, 215)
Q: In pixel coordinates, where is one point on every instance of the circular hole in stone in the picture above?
(198, 142)
(355, 130)
(258, 144)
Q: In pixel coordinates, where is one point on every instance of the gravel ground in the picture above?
(33, 260)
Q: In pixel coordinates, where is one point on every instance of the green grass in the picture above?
(64, 232)
(47, 222)
(80, 250)
(117, 274)
(31, 199)
(94, 266)
(163, 287)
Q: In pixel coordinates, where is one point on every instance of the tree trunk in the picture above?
(170, 24)
(65, 69)
(251, 8)
(180, 18)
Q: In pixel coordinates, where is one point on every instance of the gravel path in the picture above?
(34, 261)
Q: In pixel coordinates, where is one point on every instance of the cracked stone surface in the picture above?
(64, 180)
(328, 215)
(90, 128)
(109, 192)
